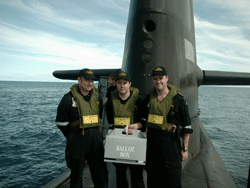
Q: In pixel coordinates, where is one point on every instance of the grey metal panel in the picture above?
(182, 8)
(225, 78)
(58, 180)
(73, 74)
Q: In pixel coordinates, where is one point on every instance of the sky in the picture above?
(38, 37)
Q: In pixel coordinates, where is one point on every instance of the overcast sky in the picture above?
(38, 37)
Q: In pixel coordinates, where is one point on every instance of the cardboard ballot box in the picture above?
(123, 148)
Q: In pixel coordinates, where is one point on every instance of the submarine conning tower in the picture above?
(162, 33)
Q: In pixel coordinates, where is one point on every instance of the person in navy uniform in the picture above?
(78, 117)
(113, 87)
(122, 109)
(167, 119)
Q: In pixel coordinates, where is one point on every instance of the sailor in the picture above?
(78, 117)
(168, 119)
(112, 82)
(122, 109)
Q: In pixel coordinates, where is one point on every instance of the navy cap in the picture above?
(123, 75)
(87, 74)
(159, 70)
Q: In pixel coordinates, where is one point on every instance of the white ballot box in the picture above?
(123, 148)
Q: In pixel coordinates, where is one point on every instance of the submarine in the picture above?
(162, 33)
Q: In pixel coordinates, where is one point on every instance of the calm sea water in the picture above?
(225, 113)
(32, 147)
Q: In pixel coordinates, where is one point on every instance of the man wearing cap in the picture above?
(122, 109)
(168, 119)
(78, 117)
(112, 82)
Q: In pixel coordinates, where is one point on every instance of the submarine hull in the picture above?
(205, 170)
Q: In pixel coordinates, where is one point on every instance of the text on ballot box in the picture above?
(123, 148)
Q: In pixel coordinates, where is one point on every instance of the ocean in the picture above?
(225, 113)
(32, 147)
